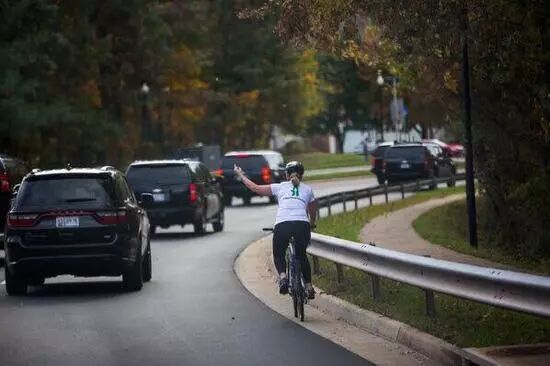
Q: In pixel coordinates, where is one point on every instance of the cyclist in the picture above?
(296, 216)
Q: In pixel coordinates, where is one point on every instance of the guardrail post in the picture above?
(344, 201)
(417, 184)
(370, 197)
(355, 200)
(386, 192)
(375, 282)
(316, 265)
(329, 206)
(402, 192)
(318, 212)
(434, 184)
(430, 303)
(339, 273)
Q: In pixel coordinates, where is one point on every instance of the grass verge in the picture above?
(319, 160)
(461, 322)
(361, 173)
(448, 226)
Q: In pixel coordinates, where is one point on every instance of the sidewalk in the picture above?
(395, 231)
(349, 169)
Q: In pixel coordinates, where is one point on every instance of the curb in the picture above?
(436, 349)
(432, 347)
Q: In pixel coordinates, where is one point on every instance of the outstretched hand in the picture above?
(238, 170)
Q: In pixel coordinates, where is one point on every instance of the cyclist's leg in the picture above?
(302, 234)
(281, 238)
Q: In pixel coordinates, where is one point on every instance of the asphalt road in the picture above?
(194, 312)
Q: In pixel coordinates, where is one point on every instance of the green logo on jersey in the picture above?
(295, 192)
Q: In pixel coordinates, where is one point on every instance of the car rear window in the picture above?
(248, 162)
(380, 151)
(66, 193)
(148, 177)
(405, 152)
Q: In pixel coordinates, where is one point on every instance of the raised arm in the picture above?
(262, 190)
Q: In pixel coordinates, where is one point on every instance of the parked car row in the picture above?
(397, 162)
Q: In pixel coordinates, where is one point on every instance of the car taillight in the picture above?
(193, 195)
(426, 163)
(266, 174)
(218, 172)
(112, 217)
(384, 165)
(4, 183)
(15, 220)
(372, 161)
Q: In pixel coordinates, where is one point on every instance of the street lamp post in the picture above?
(467, 104)
(144, 111)
(381, 80)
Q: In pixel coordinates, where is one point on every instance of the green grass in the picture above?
(348, 225)
(461, 322)
(319, 160)
(448, 226)
(361, 173)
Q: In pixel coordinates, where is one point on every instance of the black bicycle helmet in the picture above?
(294, 167)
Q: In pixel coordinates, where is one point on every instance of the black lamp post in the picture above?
(145, 111)
(467, 105)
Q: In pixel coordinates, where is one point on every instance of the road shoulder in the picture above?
(254, 269)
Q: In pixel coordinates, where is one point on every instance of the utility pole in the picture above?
(467, 104)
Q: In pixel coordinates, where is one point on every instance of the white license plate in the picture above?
(405, 166)
(159, 197)
(65, 222)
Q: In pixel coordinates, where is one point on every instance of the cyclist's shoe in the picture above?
(283, 286)
(310, 292)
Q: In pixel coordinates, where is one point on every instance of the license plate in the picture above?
(405, 166)
(66, 222)
(159, 197)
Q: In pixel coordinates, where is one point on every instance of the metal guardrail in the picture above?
(354, 196)
(502, 288)
(511, 290)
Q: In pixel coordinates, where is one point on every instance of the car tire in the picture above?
(246, 200)
(132, 277)
(220, 222)
(227, 200)
(147, 265)
(199, 226)
(38, 281)
(15, 285)
(381, 179)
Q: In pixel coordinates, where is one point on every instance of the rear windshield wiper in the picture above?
(80, 200)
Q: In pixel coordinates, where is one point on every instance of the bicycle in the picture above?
(296, 286)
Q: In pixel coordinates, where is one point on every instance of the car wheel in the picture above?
(200, 225)
(381, 179)
(37, 281)
(219, 224)
(147, 265)
(133, 275)
(14, 285)
(246, 200)
(227, 200)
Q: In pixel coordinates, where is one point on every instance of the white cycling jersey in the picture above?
(293, 201)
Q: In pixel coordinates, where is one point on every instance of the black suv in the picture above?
(12, 172)
(262, 167)
(184, 192)
(416, 161)
(84, 222)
